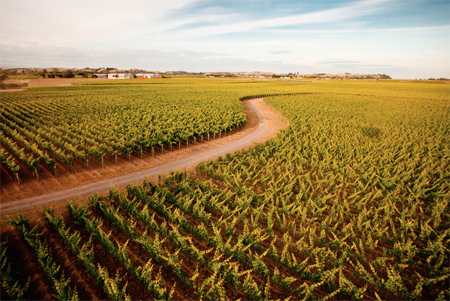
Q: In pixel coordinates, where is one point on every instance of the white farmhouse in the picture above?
(120, 76)
(148, 75)
(115, 76)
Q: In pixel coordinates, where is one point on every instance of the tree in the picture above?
(3, 86)
(4, 76)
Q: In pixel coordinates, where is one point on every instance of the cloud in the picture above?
(84, 21)
(434, 52)
(397, 66)
(349, 11)
(351, 66)
(337, 61)
(280, 52)
(416, 30)
(14, 55)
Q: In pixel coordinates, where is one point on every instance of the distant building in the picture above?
(119, 76)
(114, 76)
(151, 75)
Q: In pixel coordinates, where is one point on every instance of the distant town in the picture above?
(114, 73)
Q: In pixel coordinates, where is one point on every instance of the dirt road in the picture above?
(268, 126)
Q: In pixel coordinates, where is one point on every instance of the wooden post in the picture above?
(56, 175)
(195, 139)
(214, 136)
(129, 156)
(116, 158)
(141, 153)
(89, 167)
(103, 162)
(187, 142)
(208, 136)
(153, 151)
(162, 148)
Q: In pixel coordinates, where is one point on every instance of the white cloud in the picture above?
(353, 10)
(24, 55)
(83, 21)
(280, 52)
(416, 30)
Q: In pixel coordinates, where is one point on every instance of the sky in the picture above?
(402, 38)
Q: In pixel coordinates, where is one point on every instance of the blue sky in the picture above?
(405, 39)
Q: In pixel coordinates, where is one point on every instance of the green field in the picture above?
(349, 202)
(69, 125)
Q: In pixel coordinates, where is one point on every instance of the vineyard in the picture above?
(349, 202)
(49, 127)
(56, 136)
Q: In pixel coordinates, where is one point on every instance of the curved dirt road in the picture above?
(263, 131)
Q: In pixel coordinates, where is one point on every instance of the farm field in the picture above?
(263, 123)
(55, 124)
(58, 137)
(39, 82)
(348, 202)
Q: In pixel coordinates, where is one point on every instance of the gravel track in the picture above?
(104, 185)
